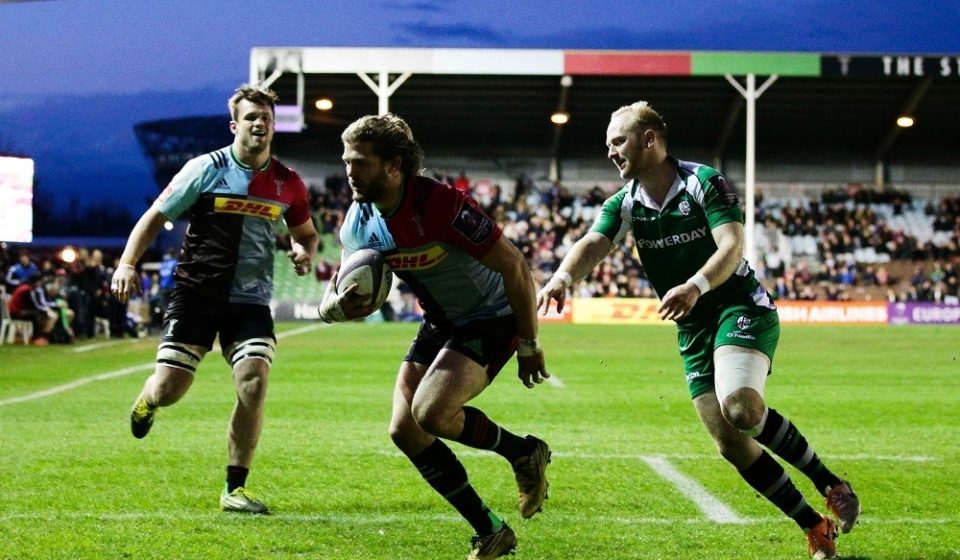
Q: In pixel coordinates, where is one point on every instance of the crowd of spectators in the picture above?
(844, 247)
(838, 246)
(66, 294)
(841, 245)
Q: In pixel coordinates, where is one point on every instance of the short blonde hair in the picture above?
(644, 116)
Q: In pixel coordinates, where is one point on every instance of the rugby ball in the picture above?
(370, 272)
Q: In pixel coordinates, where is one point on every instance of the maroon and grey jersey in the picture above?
(227, 254)
(433, 241)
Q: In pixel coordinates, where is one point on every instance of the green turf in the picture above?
(879, 404)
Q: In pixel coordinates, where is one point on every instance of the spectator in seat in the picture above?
(29, 303)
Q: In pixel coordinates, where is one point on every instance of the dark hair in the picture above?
(390, 136)
(253, 94)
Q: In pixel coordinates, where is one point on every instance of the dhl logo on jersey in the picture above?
(255, 208)
(417, 261)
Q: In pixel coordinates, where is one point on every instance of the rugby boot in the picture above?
(530, 472)
(494, 545)
(820, 539)
(241, 500)
(141, 418)
(844, 504)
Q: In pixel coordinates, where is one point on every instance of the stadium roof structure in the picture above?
(497, 102)
(494, 98)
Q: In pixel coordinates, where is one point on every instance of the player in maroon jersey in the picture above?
(479, 308)
(234, 198)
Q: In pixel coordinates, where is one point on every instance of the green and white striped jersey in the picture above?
(675, 240)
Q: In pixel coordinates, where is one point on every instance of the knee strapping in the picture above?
(262, 348)
(180, 356)
(738, 370)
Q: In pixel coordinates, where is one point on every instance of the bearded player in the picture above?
(479, 307)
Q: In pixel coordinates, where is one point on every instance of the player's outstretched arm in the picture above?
(126, 281)
(583, 256)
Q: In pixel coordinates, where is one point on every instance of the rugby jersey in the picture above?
(432, 241)
(233, 211)
(674, 240)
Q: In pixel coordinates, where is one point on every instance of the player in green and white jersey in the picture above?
(688, 230)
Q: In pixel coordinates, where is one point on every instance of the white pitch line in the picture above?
(74, 384)
(712, 507)
(123, 372)
(104, 344)
(681, 456)
(383, 519)
(702, 456)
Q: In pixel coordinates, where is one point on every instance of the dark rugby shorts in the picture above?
(489, 342)
(193, 319)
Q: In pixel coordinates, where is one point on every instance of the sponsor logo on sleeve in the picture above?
(472, 223)
(165, 194)
(726, 192)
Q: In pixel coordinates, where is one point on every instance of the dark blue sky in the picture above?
(77, 74)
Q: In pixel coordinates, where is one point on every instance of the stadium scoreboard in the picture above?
(16, 199)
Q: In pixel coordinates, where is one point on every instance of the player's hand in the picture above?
(301, 261)
(125, 282)
(556, 289)
(678, 301)
(531, 368)
(354, 305)
(346, 305)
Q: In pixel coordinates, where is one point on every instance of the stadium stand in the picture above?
(832, 243)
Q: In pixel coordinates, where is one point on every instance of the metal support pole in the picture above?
(554, 172)
(383, 88)
(751, 94)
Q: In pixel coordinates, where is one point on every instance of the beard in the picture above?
(371, 191)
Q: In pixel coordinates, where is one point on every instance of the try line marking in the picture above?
(711, 506)
(122, 372)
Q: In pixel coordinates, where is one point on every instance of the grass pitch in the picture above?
(878, 404)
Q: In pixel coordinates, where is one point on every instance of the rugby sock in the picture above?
(236, 477)
(482, 433)
(783, 438)
(767, 477)
(445, 473)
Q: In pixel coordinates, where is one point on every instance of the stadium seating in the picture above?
(13, 330)
(288, 286)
